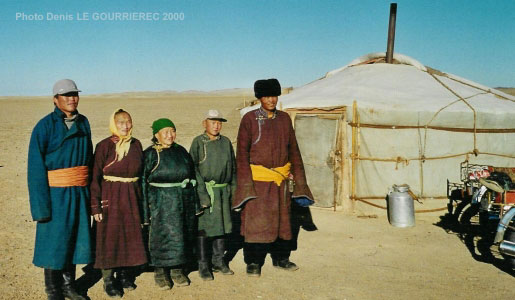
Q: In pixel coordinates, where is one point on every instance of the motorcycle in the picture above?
(489, 193)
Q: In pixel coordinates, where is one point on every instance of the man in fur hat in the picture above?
(270, 175)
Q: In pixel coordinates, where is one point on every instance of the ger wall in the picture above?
(396, 156)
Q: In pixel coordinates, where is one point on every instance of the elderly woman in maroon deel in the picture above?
(115, 196)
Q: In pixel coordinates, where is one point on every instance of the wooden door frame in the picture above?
(340, 168)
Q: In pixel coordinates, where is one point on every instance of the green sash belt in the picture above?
(209, 187)
(174, 184)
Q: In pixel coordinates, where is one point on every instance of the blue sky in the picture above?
(230, 44)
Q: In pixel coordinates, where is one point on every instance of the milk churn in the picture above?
(401, 210)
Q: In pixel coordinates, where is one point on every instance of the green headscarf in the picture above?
(160, 124)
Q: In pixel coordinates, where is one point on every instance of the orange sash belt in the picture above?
(76, 176)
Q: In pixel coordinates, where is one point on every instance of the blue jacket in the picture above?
(63, 231)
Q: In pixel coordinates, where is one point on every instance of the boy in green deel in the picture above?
(215, 168)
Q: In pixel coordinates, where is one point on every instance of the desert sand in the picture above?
(349, 257)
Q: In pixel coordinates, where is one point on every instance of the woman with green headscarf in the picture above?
(170, 204)
(115, 196)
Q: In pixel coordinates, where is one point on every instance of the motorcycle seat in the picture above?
(494, 186)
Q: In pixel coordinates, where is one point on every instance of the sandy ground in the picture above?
(349, 257)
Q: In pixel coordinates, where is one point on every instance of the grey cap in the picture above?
(64, 86)
(214, 114)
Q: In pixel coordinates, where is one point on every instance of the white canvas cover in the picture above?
(409, 94)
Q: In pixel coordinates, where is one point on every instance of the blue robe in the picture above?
(63, 229)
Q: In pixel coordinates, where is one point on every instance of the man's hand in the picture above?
(98, 217)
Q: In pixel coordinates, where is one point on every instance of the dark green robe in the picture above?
(214, 160)
(170, 210)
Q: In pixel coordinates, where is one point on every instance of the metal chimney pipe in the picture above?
(391, 33)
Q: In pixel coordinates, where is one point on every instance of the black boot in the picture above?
(162, 278)
(203, 263)
(219, 264)
(178, 277)
(53, 280)
(69, 291)
(253, 270)
(90, 277)
(110, 286)
(126, 279)
(284, 264)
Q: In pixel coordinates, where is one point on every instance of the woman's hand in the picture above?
(98, 217)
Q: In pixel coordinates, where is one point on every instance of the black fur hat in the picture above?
(267, 88)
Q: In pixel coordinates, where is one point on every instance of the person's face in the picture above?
(67, 103)
(166, 136)
(213, 127)
(269, 103)
(123, 123)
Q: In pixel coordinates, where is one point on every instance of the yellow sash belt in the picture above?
(120, 179)
(75, 176)
(277, 175)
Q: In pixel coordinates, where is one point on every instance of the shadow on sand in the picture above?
(477, 238)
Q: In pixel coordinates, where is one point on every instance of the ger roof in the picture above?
(405, 86)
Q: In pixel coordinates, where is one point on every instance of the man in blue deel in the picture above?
(60, 153)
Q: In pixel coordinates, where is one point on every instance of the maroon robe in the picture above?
(119, 240)
(269, 142)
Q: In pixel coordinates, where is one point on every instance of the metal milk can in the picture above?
(401, 210)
